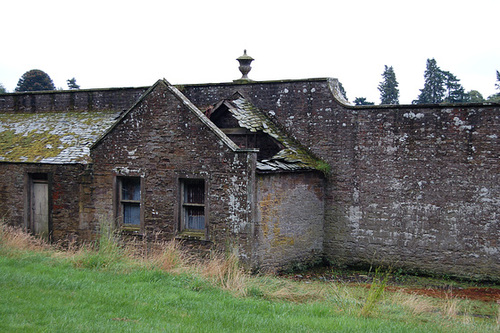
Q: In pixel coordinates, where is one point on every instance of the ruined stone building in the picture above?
(286, 172)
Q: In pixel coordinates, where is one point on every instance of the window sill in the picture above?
(192, 235)
(130, 230)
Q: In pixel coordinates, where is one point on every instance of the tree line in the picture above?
(440, 86)
(38, 80)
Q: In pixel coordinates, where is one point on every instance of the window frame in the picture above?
(121, 203)
(184, 231)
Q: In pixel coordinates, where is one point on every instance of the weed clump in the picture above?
(103, 253)
(376, 292)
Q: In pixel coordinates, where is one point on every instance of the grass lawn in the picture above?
(47, 291)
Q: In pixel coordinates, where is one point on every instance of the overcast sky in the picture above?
(134, 43)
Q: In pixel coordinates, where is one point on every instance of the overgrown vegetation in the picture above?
(376, 292)
(111, 286)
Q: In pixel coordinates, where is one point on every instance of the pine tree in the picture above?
(433, 91)
(35, 80)
(389, 92)
(72, 84)
(2, 89)
(455, 92)
(496, 97)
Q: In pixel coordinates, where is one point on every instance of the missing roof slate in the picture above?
(290, 156)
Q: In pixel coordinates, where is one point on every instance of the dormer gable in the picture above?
(250, 127)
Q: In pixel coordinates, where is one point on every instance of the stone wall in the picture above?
(162, 141)
(289, 225)
(413, 186)
(424, 189)
(65, 196)
(71, 100)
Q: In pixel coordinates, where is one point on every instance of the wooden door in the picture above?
(40, 208)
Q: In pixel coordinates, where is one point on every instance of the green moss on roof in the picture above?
(292, 157)
(51, 137)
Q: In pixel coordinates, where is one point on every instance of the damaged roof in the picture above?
(52, 137)
(293, 157)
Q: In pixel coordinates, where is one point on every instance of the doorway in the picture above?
(39, 205)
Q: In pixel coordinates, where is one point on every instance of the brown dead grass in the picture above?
(14, 238)
(169, 257)
(414, 303)
(225, 271)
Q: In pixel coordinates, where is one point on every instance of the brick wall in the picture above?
(423, 189)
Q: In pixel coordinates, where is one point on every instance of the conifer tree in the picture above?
(433, 91)
(35, 80)
(389, 92)
(455, 92)
(72, 84)
(496, 97)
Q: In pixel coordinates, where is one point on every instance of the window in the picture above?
(193, 204)
(129, 191)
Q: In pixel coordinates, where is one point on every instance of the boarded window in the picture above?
(130, 201)
(193, 204)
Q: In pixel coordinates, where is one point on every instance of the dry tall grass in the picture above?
(415, 304)
(450, 307)
(225, 271)
(169, 256)
(15, 238)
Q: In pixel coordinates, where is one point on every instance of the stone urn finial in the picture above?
(245, 61)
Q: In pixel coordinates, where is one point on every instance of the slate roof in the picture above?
(52, 137)
(292, 157)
